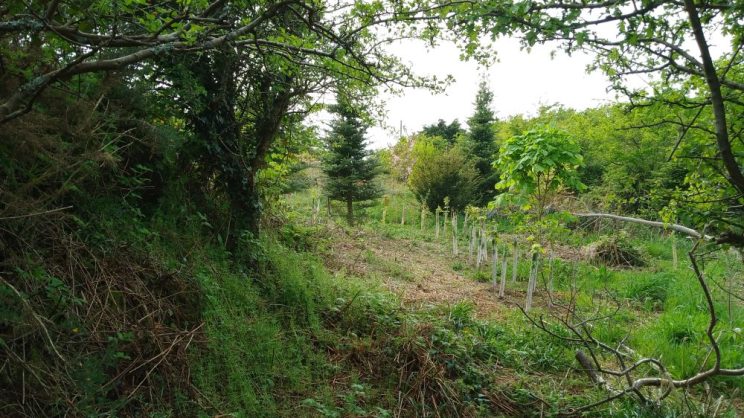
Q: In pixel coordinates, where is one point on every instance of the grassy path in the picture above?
(420, 272)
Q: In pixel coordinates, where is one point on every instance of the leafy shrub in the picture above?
(438, 173)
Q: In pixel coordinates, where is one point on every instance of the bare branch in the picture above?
(679, 228)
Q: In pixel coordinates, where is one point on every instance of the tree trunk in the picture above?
(735, 176)
(349, 210)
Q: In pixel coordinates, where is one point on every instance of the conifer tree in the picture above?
(482, 143)
(350, 167)
(449, 132)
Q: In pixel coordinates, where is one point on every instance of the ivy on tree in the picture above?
(350, 167)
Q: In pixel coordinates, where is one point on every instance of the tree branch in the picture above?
(679, 228)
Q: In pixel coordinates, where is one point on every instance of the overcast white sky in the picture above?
(521, 83)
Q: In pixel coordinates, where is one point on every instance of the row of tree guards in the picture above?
(482, 241)
(483, 245)
(501, 253)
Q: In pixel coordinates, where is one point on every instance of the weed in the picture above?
(649, 290)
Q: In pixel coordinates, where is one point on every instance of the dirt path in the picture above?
(420, 272)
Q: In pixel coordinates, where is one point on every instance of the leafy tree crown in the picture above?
(539, 161)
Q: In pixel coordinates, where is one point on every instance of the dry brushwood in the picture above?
(114, 317)
(615, 251)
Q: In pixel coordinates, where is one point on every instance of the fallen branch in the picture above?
(28, 215)
(675, 227)
(593, 360)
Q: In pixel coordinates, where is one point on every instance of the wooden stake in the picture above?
(532, 281)
(385, 202)
(314, 210)
(503, 273)
(515, 262)
(471, 246)
(495, 270)
(479, 244)
(444, 226)
(455, 250)
(674, 251)
(485, 245)
(550, 280)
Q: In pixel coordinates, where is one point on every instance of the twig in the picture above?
(36, 317)
(46, 212)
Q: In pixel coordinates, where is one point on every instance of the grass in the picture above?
(661, 312)
(258, 331)
(389, 268)
(281, 335)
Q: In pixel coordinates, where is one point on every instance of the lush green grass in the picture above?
(258, 328)
(659, 309)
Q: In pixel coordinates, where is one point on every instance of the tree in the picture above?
(234, 73)
(627, 170)
(350, 167)
(450, 132)
(651, 38)
(481, 143)
(48, 43)
(440, 172)
(537, 164)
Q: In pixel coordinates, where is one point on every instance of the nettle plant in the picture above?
(535, 167)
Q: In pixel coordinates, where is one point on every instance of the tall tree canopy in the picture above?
(47, 43)
(449, 132)
(232, 76)
(668, 41)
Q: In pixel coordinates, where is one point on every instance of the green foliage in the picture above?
(651, 291)
(650, 41)
(258, 329)
(438, 173)
(352, 404)
(539, 161)
(449, 132)
(133, 282)
(537, 164)
(350, 167)
(481, 145)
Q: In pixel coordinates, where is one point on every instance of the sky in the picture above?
(521, 81)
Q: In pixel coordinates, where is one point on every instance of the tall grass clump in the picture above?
(259, 327)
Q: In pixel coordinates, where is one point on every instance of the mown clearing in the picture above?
(421, 273)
